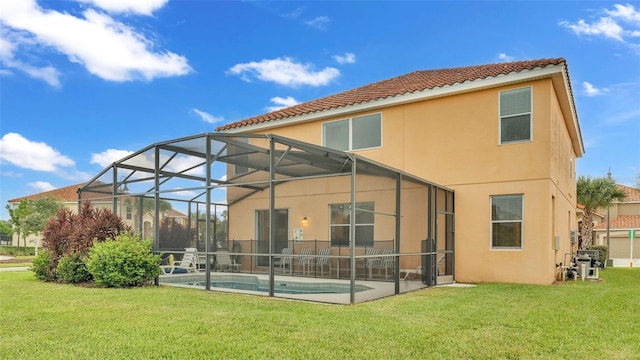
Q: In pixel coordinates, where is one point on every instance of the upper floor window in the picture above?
(506, 221)
(357, 133)
(515, 115)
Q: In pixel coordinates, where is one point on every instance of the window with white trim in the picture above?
(506, 221)
(515, 115)
(341, 223)
(362, 132)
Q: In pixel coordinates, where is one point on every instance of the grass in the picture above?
(491, 321)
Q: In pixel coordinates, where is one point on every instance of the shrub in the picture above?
(69, 233)
(123, 262)
(603, 252)
(72, 269)
(41, 267)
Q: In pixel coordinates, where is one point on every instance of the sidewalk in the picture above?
(17, 268)
(21, 268)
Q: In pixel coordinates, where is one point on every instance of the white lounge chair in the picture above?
(188, 263)
(225, 262)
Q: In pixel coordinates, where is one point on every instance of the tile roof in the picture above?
(621, 222)
(633, 194)
(404, 84)
(64, 194)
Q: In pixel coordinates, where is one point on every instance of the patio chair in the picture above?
(199, 261)
(387, 262)
(371, 262)
(186, 264)
(305, 260)
(324, 260)
(286, 260)
(415, 272)
(225, 262)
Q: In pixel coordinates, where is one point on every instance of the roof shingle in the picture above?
(64, 194)
(404, 84)
(621, 222)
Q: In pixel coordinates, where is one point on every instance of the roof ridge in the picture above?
(412, 82)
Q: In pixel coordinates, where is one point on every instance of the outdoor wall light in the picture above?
(304, 220)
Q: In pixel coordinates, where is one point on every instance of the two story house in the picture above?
(503, 137)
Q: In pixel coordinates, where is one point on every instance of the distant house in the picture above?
(68, 195)
(505, 137)
(625, 216)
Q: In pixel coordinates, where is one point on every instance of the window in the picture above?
(515, 115)
(357, 133)
(340, 224)
(506, 221)
(128, 212)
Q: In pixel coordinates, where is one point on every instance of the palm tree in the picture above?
(593, 194)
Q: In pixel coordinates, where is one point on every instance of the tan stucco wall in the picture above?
(453, 141)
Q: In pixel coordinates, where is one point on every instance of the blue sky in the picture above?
(83, 83)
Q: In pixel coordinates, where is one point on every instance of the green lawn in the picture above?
(575, 320)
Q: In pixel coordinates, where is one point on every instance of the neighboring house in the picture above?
(68, 196)
(505, 137)
(625, 216)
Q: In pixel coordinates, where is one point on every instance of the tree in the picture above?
(5, 227)
(39, 213)
(17, 216)
(593, 194)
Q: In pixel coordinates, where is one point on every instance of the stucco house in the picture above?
(461, 174)
(624, 218)
(504, 137)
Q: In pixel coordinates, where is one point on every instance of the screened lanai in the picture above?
(272, 216)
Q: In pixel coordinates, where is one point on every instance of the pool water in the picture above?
(253, 283)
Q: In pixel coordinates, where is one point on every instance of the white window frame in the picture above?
(491, 222)
(350, 122)
(500, 117)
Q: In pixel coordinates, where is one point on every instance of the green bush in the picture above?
(17, 251)
(603, 252)
(72, 269)
(123, 262)
(42, 267)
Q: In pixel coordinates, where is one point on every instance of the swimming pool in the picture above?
(255, 283)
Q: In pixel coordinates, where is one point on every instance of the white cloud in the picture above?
(208, 118)
(109, 156)
(506, 58)
(182, 163)
(142, 7)
(33, 155)
(285, 71)
(591, 90)
(627, 13)
(619, 24)
(106, 47)
(294, 14)
(42, 186)
(348, 58)
(282, 103)
(320, 23)
(7, 51)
